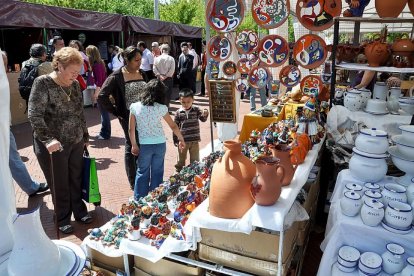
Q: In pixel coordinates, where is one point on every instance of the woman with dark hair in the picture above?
(124, 86)
(146, 117)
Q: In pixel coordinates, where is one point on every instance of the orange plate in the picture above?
(223, 15)
(317, 15)
(289, 75)
(259, 77)
(273, 50)
(246, 41)
(311, 84)
(219, 48)
(310, 51)
(270, 14)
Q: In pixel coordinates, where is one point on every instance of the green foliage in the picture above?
(179, 11)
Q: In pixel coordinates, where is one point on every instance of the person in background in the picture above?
(117, 61)
(124, 86)
(146, 117)
(203, 70)
(85, 69)
(185, 68)
(187, 119)
(147, 61)
(58, 43)
(60, 135)
(364, 79)
(155, 47)
(252, 93)
(99, 76)
(193, 79)
(164, 67)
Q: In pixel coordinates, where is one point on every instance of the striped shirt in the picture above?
(187, 121)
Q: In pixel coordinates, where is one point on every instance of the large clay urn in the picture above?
(283, 153)
(377, 53)
(231, 177)
(267, 185)
(389, 8)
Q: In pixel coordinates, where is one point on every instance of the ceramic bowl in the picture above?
(404, 145)
(372, 187)
(398, 215)
(344, 268)
(393, 192)
(370, 263)
(408, 100)
(407, 107)
(407, 132)
(348, 256)
(404, 163)
(372, 140)
(355, 188)
(376, 106)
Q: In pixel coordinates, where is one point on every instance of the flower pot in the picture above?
(387, 8)
(231, 177)
(283, 153)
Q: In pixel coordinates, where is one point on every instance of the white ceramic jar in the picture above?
(380, 91)
(353, 100)
(392, 258)
(372, 140)
(371, 195)
(350, 203)
(393, 192)
(409, 269)
(398, 215)
(407, 132)
(355, 188)
(368, 167)
(372, 212)
(372, 187)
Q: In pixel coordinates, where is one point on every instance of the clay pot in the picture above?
(411, 6)
(267, 185)
(231, 177)
(404, 47)
(283, 153)
(377, 53)
(389, 8)
(304, 140)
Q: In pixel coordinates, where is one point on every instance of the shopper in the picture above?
(124, 86)
(99, 76)
(364, 79)
(252, 94)
(156, 51)
(164, 67)
(203, 70)
(146, 117)
(185, 68)
(56, 115)
(147, 62)
(187, 118)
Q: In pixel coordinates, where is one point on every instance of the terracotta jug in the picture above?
(267, 185)
(389, 8)
(377, 53)
(283, 153)
(231, 177)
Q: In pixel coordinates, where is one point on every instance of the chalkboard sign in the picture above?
(222, 101)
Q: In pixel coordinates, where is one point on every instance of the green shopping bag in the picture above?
(90, 183)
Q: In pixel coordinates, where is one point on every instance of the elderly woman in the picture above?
(124, 85)
(60, 135)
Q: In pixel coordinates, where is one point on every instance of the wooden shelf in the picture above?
(375, 19)
(363, 67)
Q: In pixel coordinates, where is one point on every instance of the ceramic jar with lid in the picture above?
(371, 194)
(368, 167)
(372, 187)
(392, 258)
(353, 100)
(409, 269)
(393, 192)
(398, 215)
(372, 140)
(355, 188)
(350, 203)
(372, 212)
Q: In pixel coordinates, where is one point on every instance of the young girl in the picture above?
(146, 117)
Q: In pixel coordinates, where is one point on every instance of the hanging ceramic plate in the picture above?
(254, 59)
(244, 66)
(317, 15)
(213, 69)
(229, 68)
(259, 77)
(242, 84)
(310, 51)
(311, 85)
(219, 48)
(289, 75)
(273, 50)
(270, 14)
(246, 41)
(224, 15)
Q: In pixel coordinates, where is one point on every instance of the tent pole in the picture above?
(44, 37)
(206, 83)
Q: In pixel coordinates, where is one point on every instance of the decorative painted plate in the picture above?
(311, 85)
(270, 14)
(242, 84)
(229, 68)
(273, 50)
(317, 15)
(224, 15)
(244, 66)
(254, 59)
(246, 41)
(219, 48)
(289, 75)
(259, 77)
(310, 51)
(213, 69)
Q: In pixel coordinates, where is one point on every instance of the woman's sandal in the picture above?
(66, 229)
(86, 219)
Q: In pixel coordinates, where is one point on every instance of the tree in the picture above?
(179, 11)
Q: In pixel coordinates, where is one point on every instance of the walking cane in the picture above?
(54, 193)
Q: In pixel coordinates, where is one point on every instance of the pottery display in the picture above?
(398, 215)
(402, 51)
(289, 76)
(372, 212)
(372, 140)
(310, 51)
(229, 68)
(224, 16)
(219, 48)
(270, 14)
(350, 204)
(283, 153)
(317, 15)
(377, 53)
(267, 185)
(259, 77)
(386, 8)
(376, 107)
(370, 263)
(273, 50)
(348, 256)
(231, 177)
(368, 167)
(392, 258)
(405, 163)
(355, 188)
(409, 268)
(393, 192)
(311, 85)
(246, 41)
(380, 91)
(353, 100)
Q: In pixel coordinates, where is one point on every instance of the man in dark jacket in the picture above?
(185, 68)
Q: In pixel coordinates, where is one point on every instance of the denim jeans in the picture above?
(19, 171)
(263, 99)
(105, 123)
(150, 172)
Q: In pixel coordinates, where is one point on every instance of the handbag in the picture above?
(90, 183)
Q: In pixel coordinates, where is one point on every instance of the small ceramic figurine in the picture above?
(312, 121)
(134, 230)
(284, 136)
(356, 8)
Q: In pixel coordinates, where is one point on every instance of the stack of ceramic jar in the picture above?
(368, 162)
(370, 263)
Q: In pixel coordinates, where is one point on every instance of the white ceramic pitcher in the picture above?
(392, 101)
(380, 91)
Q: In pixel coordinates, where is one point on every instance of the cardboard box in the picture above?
(139, 272)
(165, 267)
(242, 263)
(258, 245)
(108, 263)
